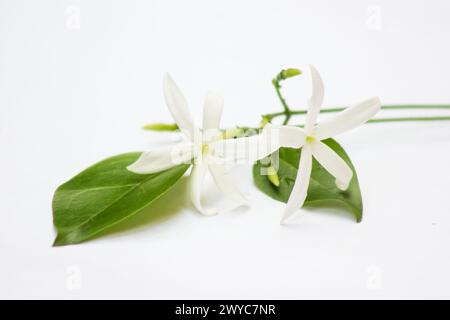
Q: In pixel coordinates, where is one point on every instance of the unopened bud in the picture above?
(232, 133)
(289, 73)
(160, 127)
(265, 120)
(273, 176)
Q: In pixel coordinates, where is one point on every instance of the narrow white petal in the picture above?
(240, 150)
(348, 119)
(244, 150)
(316, 99)
(178, 107)
(195, 188)
(250, 149)
(334, 164)
(289, 137)
(226, 184)
(300, 190)
(212, 111)
(162, 159)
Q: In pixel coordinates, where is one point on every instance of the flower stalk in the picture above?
(386, 107)
(287, 112)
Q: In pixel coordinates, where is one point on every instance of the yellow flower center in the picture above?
(310, 139)
(205, 149)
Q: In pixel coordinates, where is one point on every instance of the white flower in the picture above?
(199, 147)
(310, 138)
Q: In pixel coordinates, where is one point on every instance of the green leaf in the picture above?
(105, 194)
(322, 189)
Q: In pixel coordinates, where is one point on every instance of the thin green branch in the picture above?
(248, 131)
(283, 75)
(416, 106)
(409, 119)
(386, 107)
(288, 112)
(402, 119)
(399, 119)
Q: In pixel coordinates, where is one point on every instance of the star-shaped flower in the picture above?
(310, 138)
(198, 147)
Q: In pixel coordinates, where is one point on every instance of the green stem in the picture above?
(283, 75)
(288, 113)
(386, 107)
(408, 119)
(244, 131)
(381, 120)
(402, 119)
(416, 106)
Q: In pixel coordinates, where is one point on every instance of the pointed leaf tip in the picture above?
(322, 190)
(104, 195)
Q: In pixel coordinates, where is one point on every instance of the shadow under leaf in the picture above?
(332, 209)
(168, 206)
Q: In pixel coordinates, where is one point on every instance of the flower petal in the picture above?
(290, 137)
(225, 183)
(178, 107)
(212, 111)
(300, 190)
(162, 159)
(348, 119)
(195, 186)
(334, 164)
(316, 99)
(253, 148)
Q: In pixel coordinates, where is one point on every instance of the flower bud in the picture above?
(265, 120)
(289, 73)
(233, 133)
(160, 127)
(273, 176)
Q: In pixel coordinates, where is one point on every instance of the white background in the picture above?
(79, 78)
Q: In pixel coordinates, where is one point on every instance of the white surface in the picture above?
(71, 96)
